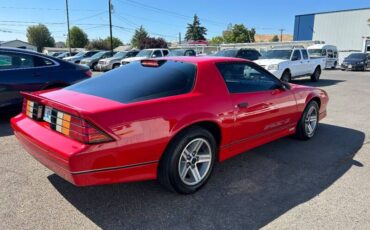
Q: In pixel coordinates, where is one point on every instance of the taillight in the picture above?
(88, 73)
(77, 128)
(32, 109)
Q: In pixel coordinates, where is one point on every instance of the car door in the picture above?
(296, 66)
(306, 63)
(16, 74)
(261, 106)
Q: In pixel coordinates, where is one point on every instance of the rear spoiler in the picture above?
(46, 101)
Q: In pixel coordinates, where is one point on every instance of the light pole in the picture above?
(69, 37)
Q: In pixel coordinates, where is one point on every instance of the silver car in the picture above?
(115, 61)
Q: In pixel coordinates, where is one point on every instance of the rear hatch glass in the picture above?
(138, 82)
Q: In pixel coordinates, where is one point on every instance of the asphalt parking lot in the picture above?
(323, 183)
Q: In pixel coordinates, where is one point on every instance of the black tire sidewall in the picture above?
(175, 151)
(286, 76)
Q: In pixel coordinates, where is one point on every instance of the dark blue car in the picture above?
(22, 70)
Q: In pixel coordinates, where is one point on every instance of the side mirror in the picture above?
(285, 85)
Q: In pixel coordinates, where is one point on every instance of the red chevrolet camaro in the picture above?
(169, 119)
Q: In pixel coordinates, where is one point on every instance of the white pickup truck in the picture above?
(287, 63)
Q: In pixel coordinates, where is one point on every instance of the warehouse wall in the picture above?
(344, 29)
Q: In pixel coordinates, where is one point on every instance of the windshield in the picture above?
(120, 55)
(357, 55)
(277, 54)
(316, 52)
(98, 54)
(134, 82)
(177, 52)
(227, 53)
(144, 53)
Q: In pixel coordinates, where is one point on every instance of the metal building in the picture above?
(349, 30)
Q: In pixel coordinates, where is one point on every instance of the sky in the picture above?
(163, 18)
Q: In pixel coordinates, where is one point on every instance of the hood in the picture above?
(88, 59)
(266, 62)
(131, 59)
(110, 59)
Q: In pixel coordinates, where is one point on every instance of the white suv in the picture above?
(146, 53)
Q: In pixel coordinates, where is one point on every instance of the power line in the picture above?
(88, 17)
(44, 9)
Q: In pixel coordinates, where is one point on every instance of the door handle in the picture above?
(242, 105)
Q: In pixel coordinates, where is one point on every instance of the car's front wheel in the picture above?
(188, 161)
(307, 125)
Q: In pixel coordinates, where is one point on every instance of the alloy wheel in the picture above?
(311, 121)
(195, 161)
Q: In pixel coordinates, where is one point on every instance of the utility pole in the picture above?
(281, 35)
(69, 37)
(179, 38)
(110, 25)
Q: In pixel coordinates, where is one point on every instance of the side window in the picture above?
(323, 52)
(131, 54)
(304, 54)
(189, 53)
(246, 77)
(335, 54)
(296, 55)
(38, 61)
(330, 54)
(157, 53)
(165, 52)
(15, 61)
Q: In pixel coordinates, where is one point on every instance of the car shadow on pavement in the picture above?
(320, 83)
(245, 192)
(5, 129)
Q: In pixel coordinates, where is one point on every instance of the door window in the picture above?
(165, 52)
(157, 53)
(296, 55)
(330, 54)
(305, 54)
(15, 61)
(246, 77)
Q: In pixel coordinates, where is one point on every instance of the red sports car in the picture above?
(169, 119)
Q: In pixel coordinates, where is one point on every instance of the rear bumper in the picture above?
(64, 157)
(351, 67)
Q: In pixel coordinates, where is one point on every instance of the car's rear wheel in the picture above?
(307, 125)
(287, 77)
(116, 66)
(188, 161)
(315, 77)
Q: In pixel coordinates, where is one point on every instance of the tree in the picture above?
(103, 44)
(98, 44)
(275, 38)
(195, 31)
(138, 36)
(78, 37)
(39, 36)
(116, 42)
(238, 33)
(150, 42)
(217, 40)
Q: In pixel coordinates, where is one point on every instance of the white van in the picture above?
(328, 52)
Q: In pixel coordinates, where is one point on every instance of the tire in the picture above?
(287, 77)
(302, 130)
(315, 77)
(115, 66)
(176, 162)
(93, 67)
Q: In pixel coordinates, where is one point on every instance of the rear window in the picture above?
(134, 82)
